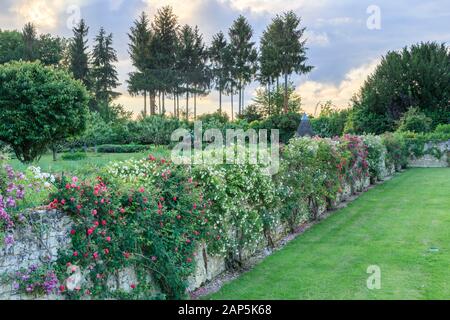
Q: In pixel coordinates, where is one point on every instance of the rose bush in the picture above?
(153, 227)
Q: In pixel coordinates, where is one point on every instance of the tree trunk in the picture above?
(220, 99)
(243, 99)
(174, 105)
(286, 96)
(55, 153)
(152, 103)
(178, 105)
(187, 104)
(232, 105)
(145, 103)
(268, 95)
(164, 103)
(195, 104)
(240, 98)
(159, 102)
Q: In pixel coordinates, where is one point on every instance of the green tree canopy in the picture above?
(39, 106)
(417, 76)
(11, 46)
(284, 50)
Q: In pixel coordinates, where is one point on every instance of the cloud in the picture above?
(317, 38)
(314, 92)
(45, 14)
(273, 6)
(336, 21)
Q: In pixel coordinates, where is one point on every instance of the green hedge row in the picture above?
(123, 148)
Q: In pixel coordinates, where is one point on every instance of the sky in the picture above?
(345, 39)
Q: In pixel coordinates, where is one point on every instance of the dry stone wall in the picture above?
(44, 232)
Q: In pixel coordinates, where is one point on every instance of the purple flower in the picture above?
(9, 240)
(10, 202)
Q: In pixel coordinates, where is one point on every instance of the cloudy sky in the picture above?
(345, 38)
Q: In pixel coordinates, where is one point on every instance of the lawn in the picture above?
(91, 164)
(402, 226)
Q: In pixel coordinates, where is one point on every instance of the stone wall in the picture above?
(42, 233)
(431, 161)
(37, 240)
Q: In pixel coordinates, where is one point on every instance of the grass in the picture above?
(393, 226)
(90, 165)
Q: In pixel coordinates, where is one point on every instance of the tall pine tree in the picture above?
(104, 73)
(29, 36)
(244, 54)
(79, 58)
(185, 61)
(201, 75)
(140, 53)
(165, 28)
(291, 49)
(217, 56)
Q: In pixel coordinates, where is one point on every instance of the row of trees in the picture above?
(173, 61)
(94, 69)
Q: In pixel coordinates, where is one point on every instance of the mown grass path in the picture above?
(393, 226)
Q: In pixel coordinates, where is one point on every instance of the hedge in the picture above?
(122, 148)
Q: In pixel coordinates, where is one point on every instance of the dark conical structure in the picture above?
(305, 129)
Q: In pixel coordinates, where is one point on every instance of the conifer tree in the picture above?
(244, 54)
(104, 73)
(79, 58)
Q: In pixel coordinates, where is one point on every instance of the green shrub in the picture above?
(154, 130)
(313, 171)
(376, 156)
(243, 202)
(415, 121)
(74, 156)
(130, 148)
(286, 123)
(397, 150)
(39, 107)
(330, 125)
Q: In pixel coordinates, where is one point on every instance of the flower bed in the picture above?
(171, 227)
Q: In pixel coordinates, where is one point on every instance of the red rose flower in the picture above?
(72, 232)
